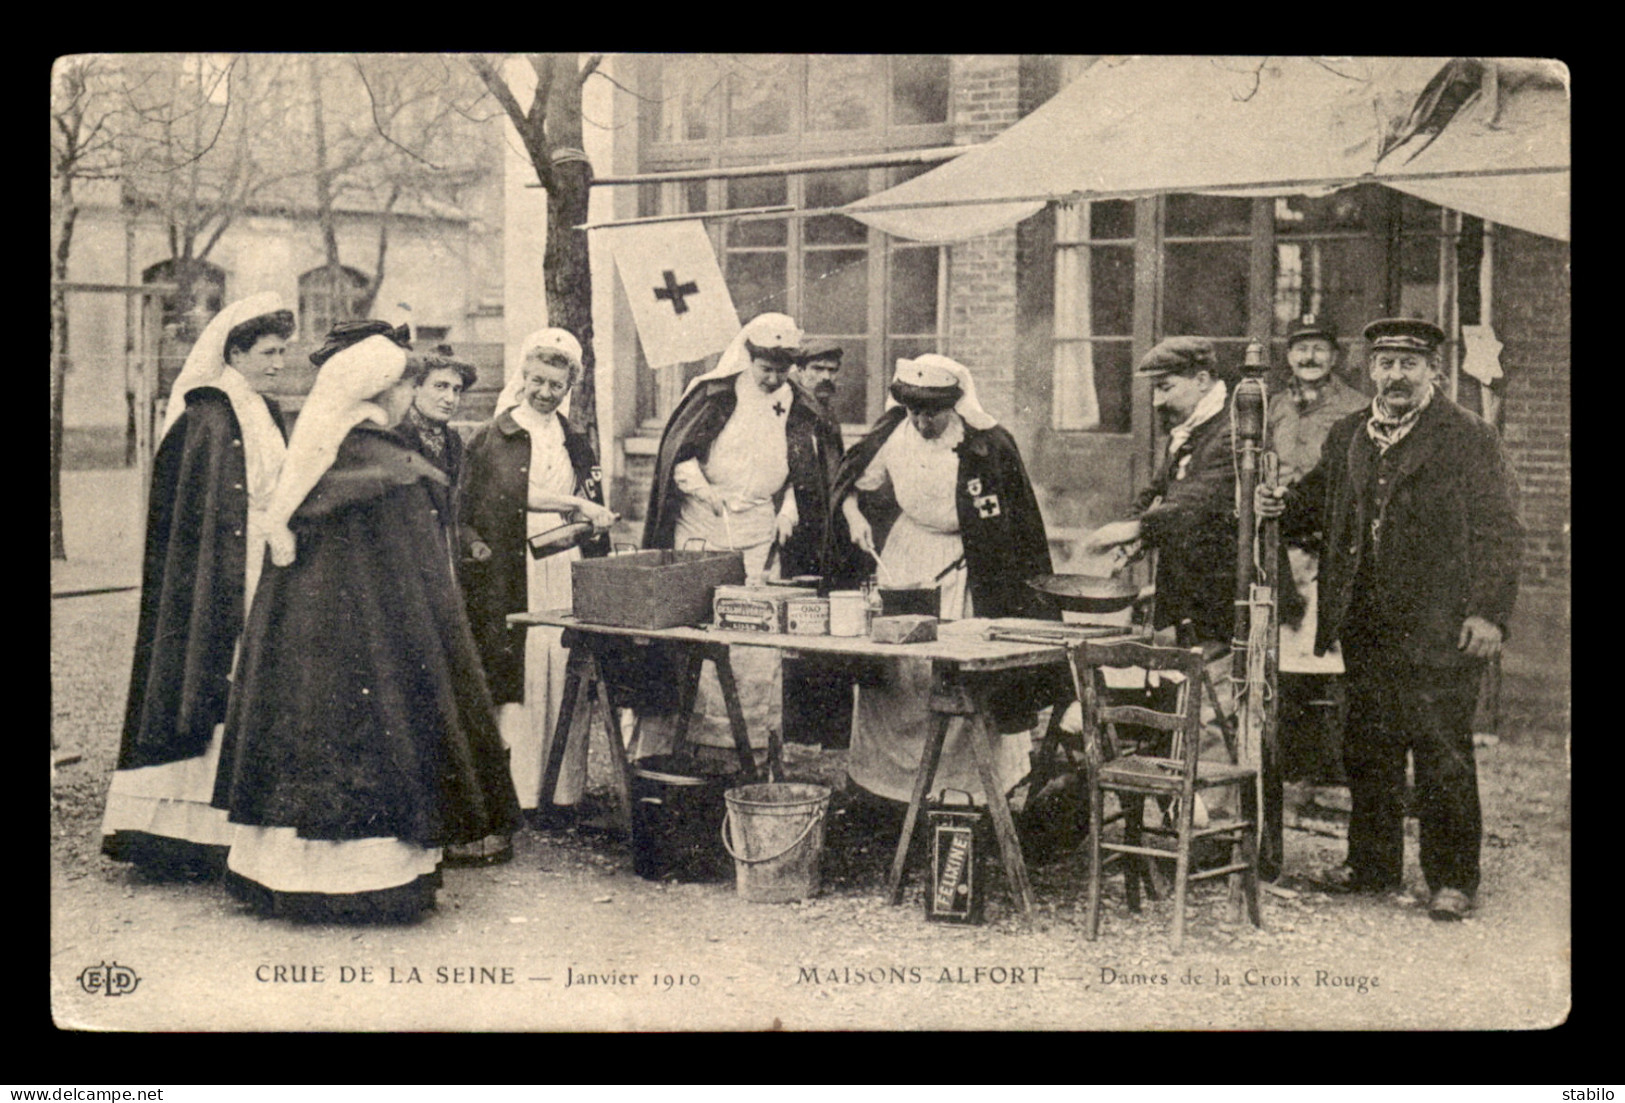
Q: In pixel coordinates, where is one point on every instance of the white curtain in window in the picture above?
(1076, 405)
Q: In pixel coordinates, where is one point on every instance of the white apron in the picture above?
(527, 726)
(893, 722)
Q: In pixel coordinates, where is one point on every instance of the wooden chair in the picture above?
(1134, 773)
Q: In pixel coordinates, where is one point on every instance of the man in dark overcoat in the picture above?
(1414, 504)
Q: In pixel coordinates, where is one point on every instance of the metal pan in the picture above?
(1086, 593)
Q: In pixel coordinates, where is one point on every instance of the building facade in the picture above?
(1052, 314)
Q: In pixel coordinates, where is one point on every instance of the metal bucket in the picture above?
(676, 815)
(775, 834)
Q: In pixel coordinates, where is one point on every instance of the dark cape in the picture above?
(192, 580)
(493, 496)
(812, 444)
(1002, 531)
(360, 709)
(1000, 524)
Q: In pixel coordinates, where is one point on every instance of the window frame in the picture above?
(797, 144)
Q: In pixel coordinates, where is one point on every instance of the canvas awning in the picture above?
(1489, 137)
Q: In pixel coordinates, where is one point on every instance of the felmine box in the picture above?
(652, 589)
(756, 608)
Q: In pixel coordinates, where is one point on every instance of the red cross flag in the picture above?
(681, 306)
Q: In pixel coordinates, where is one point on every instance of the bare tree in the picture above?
(550, 129)
(386, 132)
(83, 107)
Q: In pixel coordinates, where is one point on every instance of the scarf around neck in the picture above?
(1206, 409)
(1386, 429)
(431, 432)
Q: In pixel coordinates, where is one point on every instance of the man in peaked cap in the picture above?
(1187, 515)
(1300, 416)
(1414, 502)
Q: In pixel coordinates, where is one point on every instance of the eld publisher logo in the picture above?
(108, 980)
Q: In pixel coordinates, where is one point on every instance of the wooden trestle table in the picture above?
(965, 670)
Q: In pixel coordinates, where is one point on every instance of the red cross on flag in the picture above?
(681, 306)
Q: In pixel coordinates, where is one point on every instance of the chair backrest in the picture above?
(1088, 660)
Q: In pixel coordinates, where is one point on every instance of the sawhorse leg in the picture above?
(584, 687)
(718, 654)
(1004, 824)
(954, 706)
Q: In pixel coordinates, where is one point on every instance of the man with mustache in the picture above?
(1187, 515)
(818, 693)
(1420, 542)
(1300, 416)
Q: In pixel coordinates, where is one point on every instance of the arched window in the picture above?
(200, 295)
(324, 301)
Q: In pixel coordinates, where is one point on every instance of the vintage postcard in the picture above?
(867, 411)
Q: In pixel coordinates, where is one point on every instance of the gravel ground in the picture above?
(508, 947)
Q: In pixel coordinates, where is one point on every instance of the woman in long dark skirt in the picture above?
(360, 740)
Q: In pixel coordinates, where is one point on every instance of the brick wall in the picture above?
(1532, 318)
(982, 272)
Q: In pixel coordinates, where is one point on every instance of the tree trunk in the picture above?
(566, 271)
(324, 199)
(59, 355)
(369, 296)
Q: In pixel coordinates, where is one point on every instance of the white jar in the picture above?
(848, 613)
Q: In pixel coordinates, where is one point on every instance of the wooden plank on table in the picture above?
(970, 654)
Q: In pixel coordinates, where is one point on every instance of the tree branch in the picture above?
(629, 92)
(372, 102)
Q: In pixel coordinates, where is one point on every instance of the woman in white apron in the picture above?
(526, 473)
(920, 461)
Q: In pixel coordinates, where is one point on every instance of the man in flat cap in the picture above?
(1187, 515)
(1420, 544)
(1300, 415)
(818, 368)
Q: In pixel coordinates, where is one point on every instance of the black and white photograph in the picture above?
(608, 542)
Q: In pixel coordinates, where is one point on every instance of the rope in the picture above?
(727, 818)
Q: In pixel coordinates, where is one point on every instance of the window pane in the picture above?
(913, 290)
(1111, 218)
(1111, 285)
(1351, 210)
(758, 96)
(1419, 278)
(756, 282)
(1208, 216)
(1339, 280)
(841, 91)
(1205, 290)
(919, 89)
(757, 191)
(1092, 385)
(648, 200)
(835, 295)
(686, 88)
(694, 193)
(835, 189)
(1418, 214)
